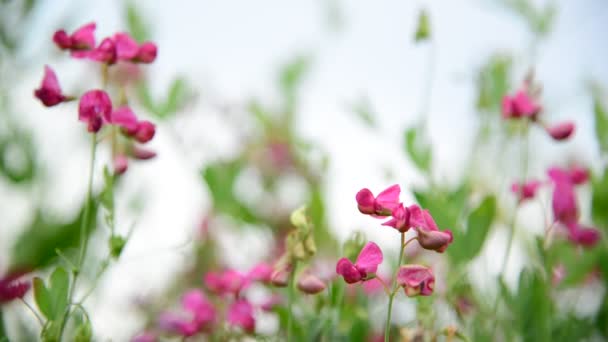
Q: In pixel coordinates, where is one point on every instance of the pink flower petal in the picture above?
(126, 47)
(416, 280)
(369, 258)
(240, 314)
(346, 269)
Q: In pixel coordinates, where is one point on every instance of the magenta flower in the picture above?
(49, 92)
(565, 209)
(310, 284)
(142, 153)
(261, 272)
(201, 312)
(400, 219)
(12, 288)
(126, 119)
(145, 131)
(95, 107)
(240, 314)
(416, 280)
(228, 282)
(578, 175)
(584, 236)
(429, 235)
(561, 131)
(147, 53)
(105, 52)
(382, 205)
(364, 268)
(121, 164)
(527, 190)
(519, 105)
(126, 47)
(81, 39)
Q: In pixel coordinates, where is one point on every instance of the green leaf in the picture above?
(599, 201)
(59, 285)
(478, 225)
(178, 94)
(418, 149)
(291, 76)
(572, 328)
(534, 307)
(135, 23)
(17, 157)
(364, 112)
(601, 123)
(493, 82)
(43, 298)
(423, 29)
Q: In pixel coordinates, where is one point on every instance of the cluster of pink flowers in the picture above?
(564, 203)
(95, 108)
(414, 279)
(523, 105)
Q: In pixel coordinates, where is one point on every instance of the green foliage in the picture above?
(36, 245)
(291, 76)
(572, 328)
(178, 95)
(136, 25)
(540, 21)
(601, 122)
(599, 201)
(533, 307)
(467, 244)
(493, 82)
(364, 112)
(116, 245)
(52, 300)
(423, 29)
(17, 159)
(418, 148)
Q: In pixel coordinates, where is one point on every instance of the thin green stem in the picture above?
(38, 318)
(391, 297)
(290, 299)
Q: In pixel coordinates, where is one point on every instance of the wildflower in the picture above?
(201, 311)
(429, 235)
(526, 190)
(565, 209)
(240, 314)
(416, 280)
(520, 105)
(561, 131)
(400, 219)
(104, 53)
(126, 46)
(584, 236)
(95, 106)
(81, 39)
(49, 92)
(121, 163)
(364, 268)
(126, 119)
(147, 53)
(227, 282)
(11, 288)
(310, 284)
(261, 272)
(382, 205)
(280, 277)
(145, 131)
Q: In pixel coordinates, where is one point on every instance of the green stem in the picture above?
(83, 232)
(290, 299)
(387, 328)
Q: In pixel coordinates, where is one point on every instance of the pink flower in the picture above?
(11, 288)
(374, 286)
(126, 46)
(240, 314)
(147, 53)
(49, 92)
(142, 153)
(584, 236)
(104, 53)
(565, 209)
(519, 105)
(561, 131)
(382, 205)
(416, 280)
(145, 131)
(279, 278)
(202, 315)
(400, 219)
(94, 106)
(429, 235)
(144, 337)
(527, 191)
(121, 163)
(310, 284)
(81, 39)
(271, 302)
(229, 282)
(126, 119)
(579, 175)
(261, 272)
(366, 265)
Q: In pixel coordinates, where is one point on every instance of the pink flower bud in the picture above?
(280, 278)
(416, 280)
(527, 191)
(310, 284)
(145, 131)
(11, 288)
(583, 236)
(62, 40)
(121, 163)
(564, 205)
(519, 105)
(561, 131)
(49, 92)
(125, 118)
(429, 235)
(142, 153)
(366, 265)
(147, 53)
(95, 105)
(579, 175)
(240, 314)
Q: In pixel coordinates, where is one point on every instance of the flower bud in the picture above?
(310, 284)
(121, 163)
(561, 131)
(147, 53)
(142, 153)
(145, 131)
(280, 278)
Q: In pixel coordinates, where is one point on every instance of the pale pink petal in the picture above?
(389, 198)
(369, 258)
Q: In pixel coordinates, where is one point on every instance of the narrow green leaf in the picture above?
(478, 225)
(601, 123)
(418, 149)
(43, 298)
(59, 286)
(178, 93)
(599, 201)
(135, 23)
(423, 29)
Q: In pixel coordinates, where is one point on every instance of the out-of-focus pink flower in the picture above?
(400, 219)
(12, 288)
(94, 106)
(81, 39)
(201, 315)
(374, 286)
(519, 105)
(382, 205)
(145, 336)
(565, 209)
(121, 164)
(280, 277)
(561, 131)
(145, 131)
(49, 92)
(310, 284)
(240, 314)
(366, 265)
(527, 190)
(429, 235)
(146, 53)
(578, 175)
(142, 153)
(105, 52)
(271, 302)
(126, 46)
(584, 236)
(177, 324)
(416, 280)
(126, 119)
(261, 272)
(226, 282)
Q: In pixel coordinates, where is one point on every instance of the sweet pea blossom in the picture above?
(382, 205)
(526, 190)
(310, 284)
(147, 53)
(12, 288)
(565, 209)
(519, 105)
(366, 265)
(429, 235)
(49, 92)
(576, 175)
(240, 314)
(201, 311)
(400, 219)
(228, 282)
(94, 108)
(561, 131)
(121, 164)
(416, 280)
(581, 235)
(82, 39)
